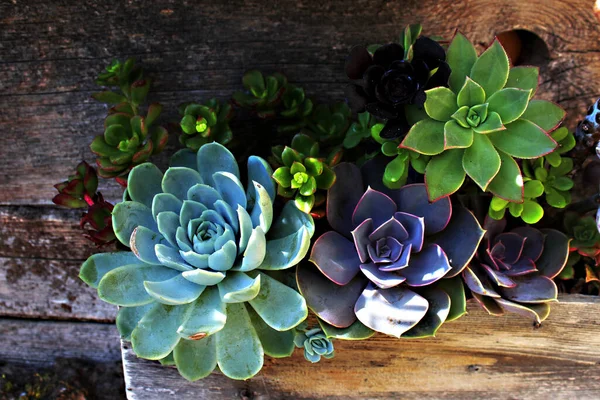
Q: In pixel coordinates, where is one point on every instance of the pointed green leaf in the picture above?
(425, 137)
(156, 334)
(491, 69)
(239, 351)
(545, 114)
(508, 183)
(481, 161)
(196, 359)
(275, 343)
(461, 56)
(524, 78)
(523, 139)
(455, 136)
(509, 103)
(492, 123)
(460, 116)
(444, 174)
(440, 103)
(458, 302)
(471, 94)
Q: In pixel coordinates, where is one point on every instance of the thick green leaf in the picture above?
(524, 78)
(253, 80)
(471, 94)
(128, 318)
(425, 137)
(280, 306)
(532, 212)
(109, 97)
(98, 265)
(356, 331)
(523, 139)
(533, 189)
(457, 137)
(440, 103)
(509, 103)
(481, 161)
(461, 56)
(508, 183)
(174, 291)
(444, 174)
(155, 336)
(239, 351)
(563, 183)
(396, 169)
(144, 182)
(545, 114)
(458, 302)
(491, 69)
(566, 166)
(127, 216)
(238, 287)
(205, 316)
(556, 198)
(196, 359)
(492, 123)
(275, 343)
(516, 209)
(498, 204)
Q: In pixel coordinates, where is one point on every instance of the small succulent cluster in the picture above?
(205, 123)
(584, 232)
(315, 343)
(129, 138)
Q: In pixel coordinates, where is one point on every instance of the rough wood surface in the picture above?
(477, 356)
(51, 52)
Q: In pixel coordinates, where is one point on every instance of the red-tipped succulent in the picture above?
(99, 220)
(386, 258)
(513, 271)
(77, 191)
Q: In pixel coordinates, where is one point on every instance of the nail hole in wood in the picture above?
(474, 368)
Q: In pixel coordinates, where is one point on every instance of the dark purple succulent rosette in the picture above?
(387, 252)
(386, 82)
(513, 271)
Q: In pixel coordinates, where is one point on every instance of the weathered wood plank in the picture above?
(86, 353)
(52, 51)
(478, 356)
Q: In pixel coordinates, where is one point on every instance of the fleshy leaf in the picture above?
(439, 308)
(128, 318)
(213, 158)
(287, 251)
(471, 94)
(531, 289)
(127, 216)
(205, 316)
(238, 287)
(537, 312)
(444, 174)
(545, 114)
(508, 182)
(356, 331)
(336, 257)
(509, 103)
(174, 291)
(98, 265)
(523, 139)
(143, 183)
(425, 137)
(481, 161)
(491, 69)
(458, 301)
(196, 359)
(156, 334)
(555, 255)
(178, 180)
(375, 205)
(412, 199)
(275, 344)
(524, 78)
(455, 136)
(461, 56)
(440, 103)
(493, 123)
(427, 266)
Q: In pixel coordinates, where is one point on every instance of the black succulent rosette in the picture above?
(385, 82)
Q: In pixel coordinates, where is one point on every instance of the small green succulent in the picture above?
(315, 344)
(204, 123)
(296, 109)
(482, 122)
(566, 142)
(329, 123)
(263, 94)
(196, 288)
(363, 128)
(301, 177)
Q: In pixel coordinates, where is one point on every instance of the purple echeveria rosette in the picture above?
(513, 270)
(384, 260)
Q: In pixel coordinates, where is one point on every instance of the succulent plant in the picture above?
(482, 122)
(362, 129)
(296, 109)
(584, 232)
(79, 189)
(301, 177)
(328, 123)
(315, 344)
(97, 222)
(204, 123)
(513, 271)
(394, 76)
(263, 94)
(566, 142)
(196, 282)
(386, 258)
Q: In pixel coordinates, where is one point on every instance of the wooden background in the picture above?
(50, 53)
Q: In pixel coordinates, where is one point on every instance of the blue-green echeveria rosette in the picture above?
(391, 262)
(196, 285)
(315, 344)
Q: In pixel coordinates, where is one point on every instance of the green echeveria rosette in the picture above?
(328, 124)
(315, 344)
(482, 122)
(263, 94)
(196, 285)
(584, 232)
(204, 123)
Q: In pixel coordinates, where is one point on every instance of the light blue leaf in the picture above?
(204, 194)
(168, 222)
(174, 291)
(206, 316)
(227, 236)
(262, 212)
(179, 180)
(204, 277)
(142, 244)
(182, 240)
(156, 334)
(165, 202)
(275, 344)
(228, 214)
(96, 266)
(290, 221)
(245, 228)
(230, 188)
(238, 287)
(239, 351)
(124, 286)
(212, 158)
(286, 252)
(171, 258)
(260, 171)
(143, 183)
(129, 215)
(128, 318)
(195, 259)
(223, 259)
(184, 158)
(190, 210)
(196, 359)
(255, 252)
(280, 306)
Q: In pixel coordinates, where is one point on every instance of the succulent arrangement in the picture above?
(443, 181)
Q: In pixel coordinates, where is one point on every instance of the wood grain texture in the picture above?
(51, 52)
(477, 356)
